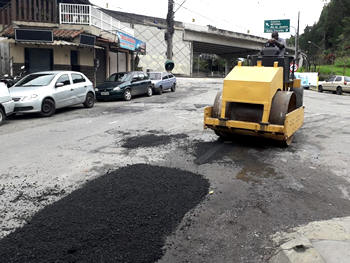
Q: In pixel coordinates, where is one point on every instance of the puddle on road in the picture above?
(255, 174)
(322, 136)
(240, 153)
(198, 106)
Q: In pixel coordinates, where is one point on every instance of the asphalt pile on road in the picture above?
(150, 140)
(122, 216)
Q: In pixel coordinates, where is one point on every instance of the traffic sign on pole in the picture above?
(295, 67)
(282, 25)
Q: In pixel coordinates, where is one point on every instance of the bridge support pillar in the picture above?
(228, 63)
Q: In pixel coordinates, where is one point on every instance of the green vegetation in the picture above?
(327, 42)
(327, 70)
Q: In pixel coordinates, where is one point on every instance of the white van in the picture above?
(7, 105)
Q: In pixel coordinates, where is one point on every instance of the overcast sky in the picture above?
(236, 15)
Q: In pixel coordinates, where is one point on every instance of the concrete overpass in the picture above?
(208, 39)
(226, 44)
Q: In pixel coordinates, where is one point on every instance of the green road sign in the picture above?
(282, 25)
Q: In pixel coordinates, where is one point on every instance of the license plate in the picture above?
(105, 93)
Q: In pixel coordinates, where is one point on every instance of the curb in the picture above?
(317, 242)
(298, 250)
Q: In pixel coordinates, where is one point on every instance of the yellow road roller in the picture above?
(261, 99)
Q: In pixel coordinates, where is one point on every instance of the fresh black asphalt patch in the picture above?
(122, 216)
(150, 140)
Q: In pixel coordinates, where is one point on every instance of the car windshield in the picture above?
(330, 79)
(155, 76)
(35, 80)
(119, 77)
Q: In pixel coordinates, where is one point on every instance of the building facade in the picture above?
(65, 35)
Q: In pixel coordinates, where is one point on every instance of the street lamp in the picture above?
(314, 45)
(318, 48)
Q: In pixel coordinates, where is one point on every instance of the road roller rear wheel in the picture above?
(299, 93)
(217, 105)
(282, 103)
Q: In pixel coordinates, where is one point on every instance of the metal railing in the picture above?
(89, 15)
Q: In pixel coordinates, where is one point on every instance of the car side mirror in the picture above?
(59, 84)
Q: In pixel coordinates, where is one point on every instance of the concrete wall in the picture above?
(61, 56)
(156, 50)
(86, 57)
(4, 57)
(17, 53)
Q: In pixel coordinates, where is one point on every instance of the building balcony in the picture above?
(77, 14)
(50, 11)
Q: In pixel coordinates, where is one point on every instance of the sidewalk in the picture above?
(317, 242)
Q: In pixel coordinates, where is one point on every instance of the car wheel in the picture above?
(320, 88)
(48, 108)
(173, 87)
(339, 91)
(89, 100)
(160, 91)
(149, 91)
(2, 116)
(127, 95)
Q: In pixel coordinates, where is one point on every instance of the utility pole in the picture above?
(297, 39)
(170, 29)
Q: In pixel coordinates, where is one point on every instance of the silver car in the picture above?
(162, 81)
(336, 84)
(47, 91)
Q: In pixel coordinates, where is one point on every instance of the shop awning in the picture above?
(54, 43)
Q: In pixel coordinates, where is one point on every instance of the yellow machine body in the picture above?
(255, 85)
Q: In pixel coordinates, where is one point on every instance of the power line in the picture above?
(210, 19)
(180, 6)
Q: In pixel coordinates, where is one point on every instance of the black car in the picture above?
(124, 85)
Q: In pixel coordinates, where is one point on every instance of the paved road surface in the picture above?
(258, 188)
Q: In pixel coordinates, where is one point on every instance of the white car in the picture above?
(336, 84)
(47, 91)
(7, 105)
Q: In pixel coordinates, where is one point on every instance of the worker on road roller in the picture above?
(262, 99)
(277, 41)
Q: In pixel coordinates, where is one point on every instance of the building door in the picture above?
(122, 62)
(101, 70)
(74, 60)
(38, 59)
(113, 62)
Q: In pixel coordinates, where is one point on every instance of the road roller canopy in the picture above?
(252, 84)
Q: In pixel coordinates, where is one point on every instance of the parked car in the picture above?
(336, 84)
(47, 91)
(7, 105)
(124, 85)
(162, 81)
